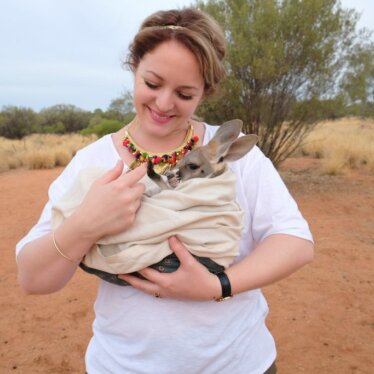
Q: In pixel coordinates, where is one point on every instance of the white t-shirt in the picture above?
(137, 333)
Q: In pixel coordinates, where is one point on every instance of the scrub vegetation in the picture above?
(40, 151)
(342, 144)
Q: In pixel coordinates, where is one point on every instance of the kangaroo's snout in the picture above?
(173, 177)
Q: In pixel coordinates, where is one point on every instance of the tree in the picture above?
(73, 118)
(120, 107)
(17, 122)
(358, 82)
(280, 53)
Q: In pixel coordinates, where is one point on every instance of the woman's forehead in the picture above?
(172, 60)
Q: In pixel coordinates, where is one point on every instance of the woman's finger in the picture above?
(140, 284)
(112, 174)
(131, 178)
(151, 275)
(180, 251)
(138, 189)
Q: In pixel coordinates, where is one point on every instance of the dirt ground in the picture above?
(322, 317)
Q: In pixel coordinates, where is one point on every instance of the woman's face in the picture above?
(168, 88)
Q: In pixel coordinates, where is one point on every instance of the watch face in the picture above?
(223, 298)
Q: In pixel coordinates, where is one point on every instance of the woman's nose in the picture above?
(164, 101)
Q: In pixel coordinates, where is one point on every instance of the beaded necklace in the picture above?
(162, 162)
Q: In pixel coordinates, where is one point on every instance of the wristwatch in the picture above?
(226, 287)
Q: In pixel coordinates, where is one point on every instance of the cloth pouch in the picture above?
(202, 212)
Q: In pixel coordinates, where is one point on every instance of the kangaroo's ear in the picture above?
(228, 131)
(226, 134)
(240, 147)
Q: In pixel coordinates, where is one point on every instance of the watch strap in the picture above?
(225, 285)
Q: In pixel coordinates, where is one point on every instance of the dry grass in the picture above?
(40, 151)
(343, 144)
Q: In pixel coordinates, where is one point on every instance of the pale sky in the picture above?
(69, 51)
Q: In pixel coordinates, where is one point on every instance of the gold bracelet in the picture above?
(59, 250)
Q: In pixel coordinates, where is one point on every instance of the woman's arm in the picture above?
(109, 207)
(41, 269)
(275, 258)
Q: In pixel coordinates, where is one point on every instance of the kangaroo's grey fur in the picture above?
(208, 161)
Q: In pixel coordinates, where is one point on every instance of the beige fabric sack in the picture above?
(201, 212)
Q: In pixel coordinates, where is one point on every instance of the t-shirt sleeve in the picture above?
(55, 192)
(272, 208)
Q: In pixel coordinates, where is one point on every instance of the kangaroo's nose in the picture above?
(173, 179)
(172, 174)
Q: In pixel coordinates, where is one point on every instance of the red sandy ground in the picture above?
(322, 317)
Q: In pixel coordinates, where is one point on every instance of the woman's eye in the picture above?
(184, 97)
(151, 85)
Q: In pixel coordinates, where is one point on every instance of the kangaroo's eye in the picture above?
(192, 166)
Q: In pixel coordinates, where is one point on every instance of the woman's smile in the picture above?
(158, 117)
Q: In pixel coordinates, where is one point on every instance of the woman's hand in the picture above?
(191, 281)
(111, 203)
(275, 258)
(108, 208)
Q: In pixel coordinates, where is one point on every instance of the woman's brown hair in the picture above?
(191, 27)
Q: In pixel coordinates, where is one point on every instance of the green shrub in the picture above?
(104, 127)
(55, 128)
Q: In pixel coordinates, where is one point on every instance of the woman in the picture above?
(176, 58)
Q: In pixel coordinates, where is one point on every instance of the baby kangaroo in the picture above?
(208, 161)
